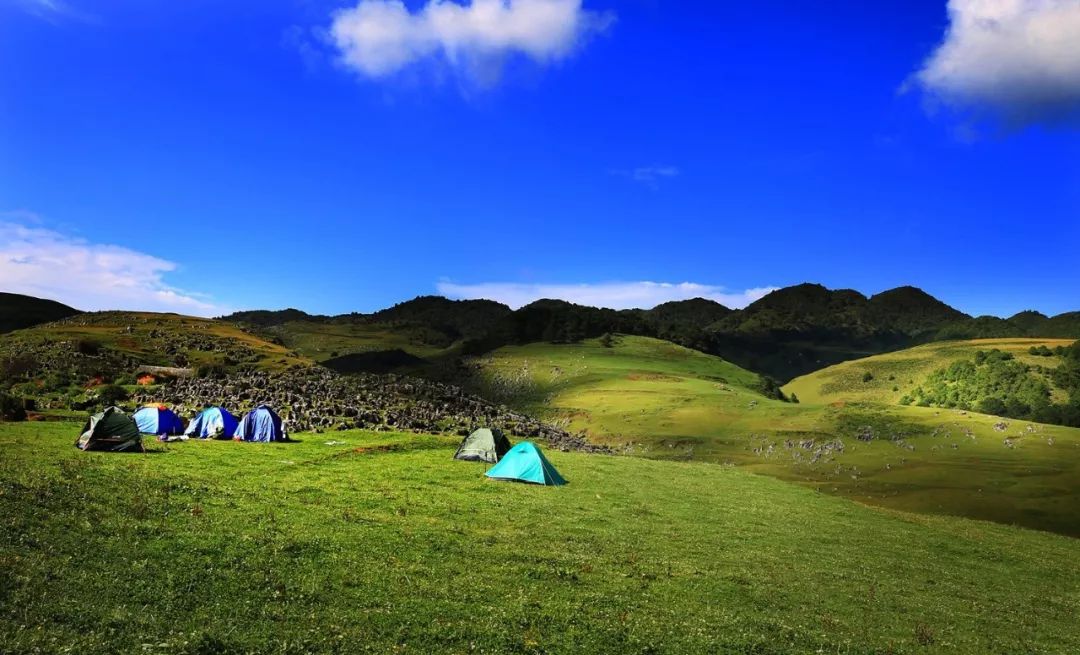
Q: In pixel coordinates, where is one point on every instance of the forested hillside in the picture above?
(787, 333)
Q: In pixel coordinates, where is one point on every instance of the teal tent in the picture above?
(525, 463)
(483, 445)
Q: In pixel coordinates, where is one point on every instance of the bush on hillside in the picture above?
(90, 347)
(111, 394)
(17, 367)
(770, 388)
(993, 382)
(11, 408)
(215, 371)
(57, 381)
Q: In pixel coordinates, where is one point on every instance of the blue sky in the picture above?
(341, 156)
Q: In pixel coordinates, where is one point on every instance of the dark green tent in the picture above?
(483, 445)
(111, 430)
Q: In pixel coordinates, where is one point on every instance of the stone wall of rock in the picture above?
(317, 400)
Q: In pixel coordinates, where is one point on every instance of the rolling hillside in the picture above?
(789, 332)
(18, 311)
(381, 542)
(106, 340)
(894, 375)
(61, 365)
(661, 401)
(628, 393)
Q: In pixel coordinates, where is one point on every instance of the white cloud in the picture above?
(53, 10)
(40, 262)
(650, 176)
(378, 38)
(1019, 59)
(615, 295)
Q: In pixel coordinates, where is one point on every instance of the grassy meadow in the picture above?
(896, 374)
(664, 402)
(322, 341)
(380, 542)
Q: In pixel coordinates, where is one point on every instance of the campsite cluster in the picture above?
(114, 431)
(314, 399)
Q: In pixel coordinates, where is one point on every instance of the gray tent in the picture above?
(112, 429)
(483, 445)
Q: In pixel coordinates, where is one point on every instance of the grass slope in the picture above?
(383, 543)
(326, 341)
(895, 374)
(666, 402)
(629, 393)
(18, 311)
(156, 339)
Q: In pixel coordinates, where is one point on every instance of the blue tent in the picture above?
(159, 420)
(212, 423)
(260, 424)
(525, 463)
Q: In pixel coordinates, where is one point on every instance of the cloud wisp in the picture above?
(378, 38)
(40, 262)
(1018, 60)
(614, 295)
(649, 176)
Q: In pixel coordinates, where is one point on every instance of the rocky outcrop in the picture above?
(314, 399)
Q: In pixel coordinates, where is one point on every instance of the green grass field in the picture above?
(666, 402)
(896, 374)
(382, 543)
(323, 341)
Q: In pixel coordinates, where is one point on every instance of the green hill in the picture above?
(894, 375)
(18, 311)
(57, 362)
(621, 393)
(383, 543)
(789, 332)
(661, 401)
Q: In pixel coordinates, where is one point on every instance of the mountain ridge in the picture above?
(787, 333)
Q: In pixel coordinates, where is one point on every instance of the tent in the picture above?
(525, 463)
(260, 424)
(212, 423)
(159, 420)
(112, 430)
(483, 445)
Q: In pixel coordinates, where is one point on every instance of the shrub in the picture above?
(56, 381)
(211, 371)
(11, 408)
(111, 394)
(91, 347)
(19, 366)
(868, 377)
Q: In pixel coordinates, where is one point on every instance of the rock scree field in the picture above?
(381, 542)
